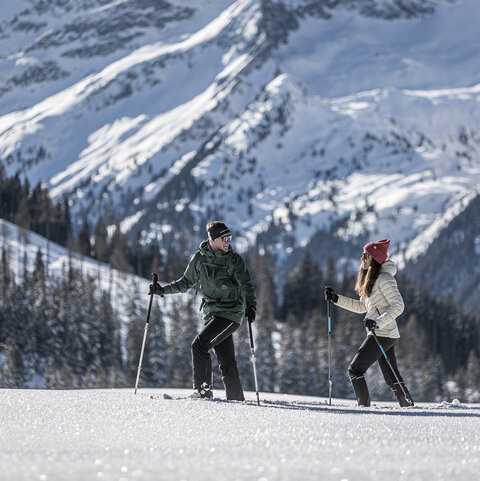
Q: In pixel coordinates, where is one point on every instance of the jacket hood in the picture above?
(388, 267)
(203, 247)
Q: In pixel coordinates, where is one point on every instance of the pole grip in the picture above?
(250, 334)
(329, 314)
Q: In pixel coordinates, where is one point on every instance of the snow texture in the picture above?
(116, 435)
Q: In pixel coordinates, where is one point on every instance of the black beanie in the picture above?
(218, 230)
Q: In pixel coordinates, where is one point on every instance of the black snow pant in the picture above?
(217, 334)
(367, 354)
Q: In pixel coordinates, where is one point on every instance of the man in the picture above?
(228, 295)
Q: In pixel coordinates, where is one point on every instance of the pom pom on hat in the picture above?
(378, 250)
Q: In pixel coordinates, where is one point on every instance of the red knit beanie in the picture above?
(378, 250)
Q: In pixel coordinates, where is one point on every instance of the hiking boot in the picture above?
(361, 391)
(404, 402)
(204, 392)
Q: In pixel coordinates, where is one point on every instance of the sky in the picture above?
(117, 435)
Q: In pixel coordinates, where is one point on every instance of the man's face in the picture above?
(222, 243)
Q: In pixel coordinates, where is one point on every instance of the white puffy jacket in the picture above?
(384, 305)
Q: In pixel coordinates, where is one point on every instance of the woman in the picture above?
(383, 303)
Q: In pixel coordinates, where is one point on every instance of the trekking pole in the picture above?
(154, 281)
(330, 381)
(252, 349)
(391, 367)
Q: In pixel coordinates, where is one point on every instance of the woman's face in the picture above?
(366, 260)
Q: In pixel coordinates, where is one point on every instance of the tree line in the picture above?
(32, 209)
(64, 332)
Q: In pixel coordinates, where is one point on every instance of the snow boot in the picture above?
(361, 391)
(404, 402)
(205, 391)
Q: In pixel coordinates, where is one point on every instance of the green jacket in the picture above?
(223, 279)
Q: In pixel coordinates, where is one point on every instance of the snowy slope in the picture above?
(115, 435)
(22, 246)
(359, 118)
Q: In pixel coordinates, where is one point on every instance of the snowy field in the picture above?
(115, 435)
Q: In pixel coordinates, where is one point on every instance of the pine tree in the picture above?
(22, 217)
(472, 378)
(101, 249)
(432, 380)
(119, 254)
(183, 329)
(152, 259)
(20, 331)
(76, 313)
(12, 372)
(244, 359)
(53, 326)
(303, 290)
(97, 341)
(290, 366)
(5, 280)
(155, 369)
(109, 335)
(38, 291)
(421, 370)
(312, 375)
(134, 336)
(84, 245)
(265, 324)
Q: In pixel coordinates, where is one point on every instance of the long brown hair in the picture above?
(366, 279)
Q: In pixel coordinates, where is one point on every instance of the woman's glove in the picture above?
(370, 324)
(330, 294)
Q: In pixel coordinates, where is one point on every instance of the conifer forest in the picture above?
(64, 333)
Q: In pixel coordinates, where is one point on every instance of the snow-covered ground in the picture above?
(116, 435)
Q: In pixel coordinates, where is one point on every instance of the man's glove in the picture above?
(370, 324)
(330, 294)
(156, 289)
(251, 313)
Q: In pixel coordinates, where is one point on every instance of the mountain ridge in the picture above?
(383, 145)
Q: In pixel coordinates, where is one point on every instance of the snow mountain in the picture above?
(304, 124)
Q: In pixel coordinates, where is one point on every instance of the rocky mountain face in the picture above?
(304, 124)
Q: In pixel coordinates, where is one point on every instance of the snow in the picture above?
(351, 112)
(12, 8)
(116, 435)
(351, 52)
